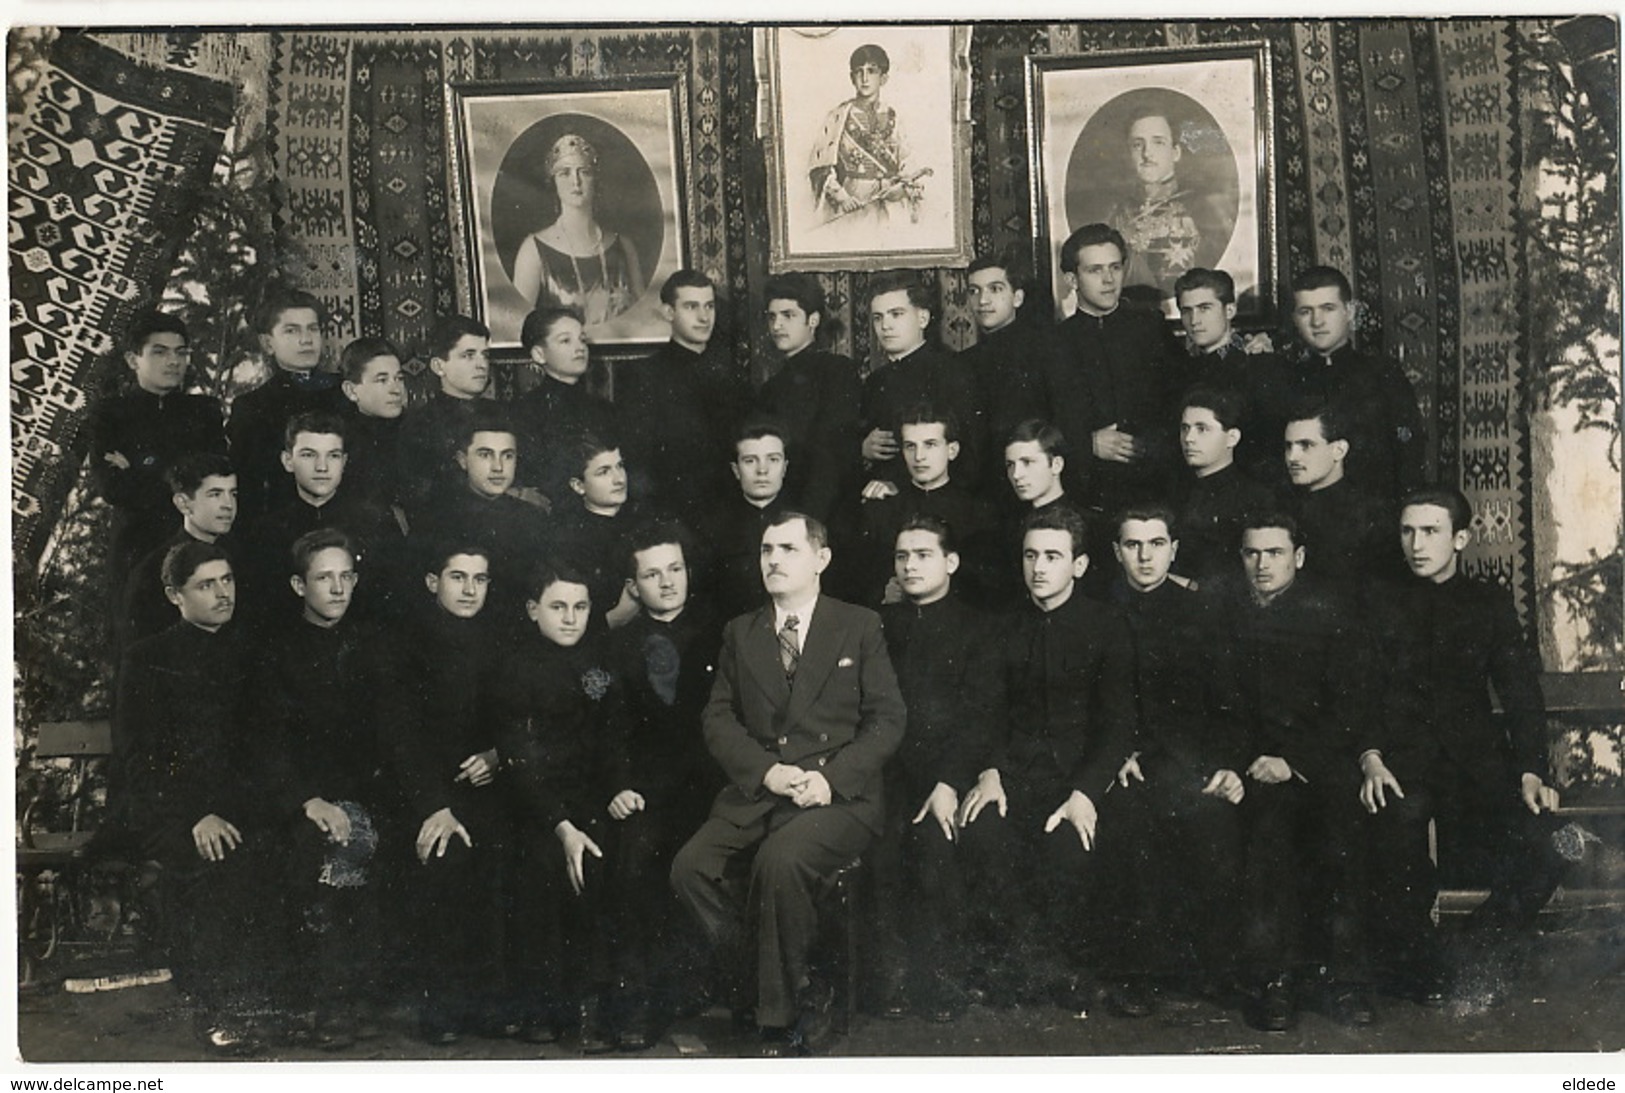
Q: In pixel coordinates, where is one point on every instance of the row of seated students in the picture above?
(462, 488)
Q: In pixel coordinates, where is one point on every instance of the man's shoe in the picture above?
(781, 1043)
(1277, 1006)
(1351, 1006)
(538, 1030)
(335, 1032)
(436, 1034)
(894, 1002)
(636, 1022)
(231, 1038)
(1132, 998)
(594, 1034)
(816, 1024)
(1076, 993)
(944, 1002)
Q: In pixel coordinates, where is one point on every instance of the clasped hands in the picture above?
(805, 788)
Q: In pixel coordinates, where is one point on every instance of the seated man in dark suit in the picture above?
(1068, 671)
(181, 786)
(444, 793)
(1436, 752)
(665, 658)
(1305, 682)
(804, 714)
(1176, 886)
(946, 657)
(318, 751)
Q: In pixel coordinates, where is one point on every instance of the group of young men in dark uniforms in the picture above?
(1173, 665)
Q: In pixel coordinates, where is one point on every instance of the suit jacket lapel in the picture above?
(818, 653)
(760, 653)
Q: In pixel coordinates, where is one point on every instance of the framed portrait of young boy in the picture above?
(867, 136)
(1169, 146)
(569, 193)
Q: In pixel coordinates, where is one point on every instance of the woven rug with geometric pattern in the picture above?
(107, 157)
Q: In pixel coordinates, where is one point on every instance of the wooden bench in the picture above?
(1575, 699)
(55, 851)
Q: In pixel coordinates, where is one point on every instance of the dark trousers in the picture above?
(1516, 857)
(1302, 879)
(754, 890)
(561, 937)
(332, 923)
(651, 940)
(1175, 864)
(1036, 887)
(451, 908)
(219, 918)
(920, 897)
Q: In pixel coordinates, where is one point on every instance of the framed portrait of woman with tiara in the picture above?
(570, 194)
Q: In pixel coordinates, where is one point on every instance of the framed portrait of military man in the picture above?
(1170, 147)
(866, 131)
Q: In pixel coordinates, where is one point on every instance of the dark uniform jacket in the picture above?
(1348, 534)
(315, 726)
(513, 533)
(1113, 369)
(429, 433)
(150, 431)
(1007, 367)
(145, 610)
(1442, 644)
(1388, 439)
(817, 398)
(1251, 376)
(967, 514)
(934, 378)
(178, 739)
(1069, 674)
(1212, 512)
(433, 711)
(678, 410)
(667, 670)
(1188, 724)
(731, 554)
(947, 662)
(1304, 670)
(258, 420)
(842, 717)
(268, 541)
(374, 466)
(562, 727)
(597, 546)
(552, 417)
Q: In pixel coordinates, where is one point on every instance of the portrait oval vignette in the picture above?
(1101, 178)
(627, 197)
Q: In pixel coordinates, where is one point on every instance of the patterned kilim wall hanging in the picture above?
(107, 157)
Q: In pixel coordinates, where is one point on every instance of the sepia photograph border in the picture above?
(786, 253)
(471, 183)
(1074, 79)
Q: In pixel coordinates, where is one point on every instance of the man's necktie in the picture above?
(789, 648)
